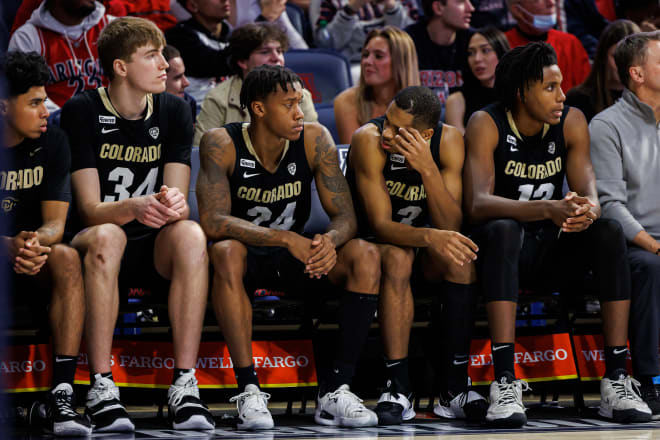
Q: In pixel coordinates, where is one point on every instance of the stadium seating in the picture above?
(327, 118)
(325, 73)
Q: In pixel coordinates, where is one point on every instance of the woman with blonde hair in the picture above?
(388, 64)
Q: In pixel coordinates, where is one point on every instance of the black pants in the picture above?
(644, 311)
(511, 256)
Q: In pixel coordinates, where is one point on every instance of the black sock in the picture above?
(615, 361)
(356, 312)
(456, 324)
(340, 374)
(179, 372)
(503, 360)
(64, 369)
(245, 376)
(397, 373)
(92, 377)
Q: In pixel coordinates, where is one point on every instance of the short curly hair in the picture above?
(22, 71)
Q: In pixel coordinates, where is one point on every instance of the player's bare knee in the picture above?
(397, 263)
(365, 265)
(228, 259)
(106, 246)
(190, 242)
(64, 262)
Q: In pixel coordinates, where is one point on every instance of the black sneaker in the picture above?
(651, 395)
(105, 409)
(468, 405)
(58, 415)
(394, 407)
(184, 407)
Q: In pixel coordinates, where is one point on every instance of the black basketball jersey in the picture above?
(404, 185)
(129, 154)
(34, 171)
(279, 200)
(528, 167)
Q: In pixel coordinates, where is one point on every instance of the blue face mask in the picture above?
(544, 22)
(540, 22)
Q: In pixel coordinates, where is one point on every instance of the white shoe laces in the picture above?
(249, 401)
(64, 403)
(347, 399)
(188, 387)
(507, 392)
(624, 388)
(104, 389)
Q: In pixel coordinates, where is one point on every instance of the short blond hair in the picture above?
(122, 37)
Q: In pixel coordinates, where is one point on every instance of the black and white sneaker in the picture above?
(651, 395)
(252, 406)
(468, 405)
(506, 407)
(620, 400)
(58, 415)
(394, 407)
(185, 409)
(104, 408)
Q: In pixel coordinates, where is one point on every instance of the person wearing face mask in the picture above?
(536, 21)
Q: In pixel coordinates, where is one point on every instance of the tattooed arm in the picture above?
(217, 156)
(331, 184)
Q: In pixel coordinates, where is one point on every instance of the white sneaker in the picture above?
(468, 405)
(184, 407)
(104, 408)
(252, 405)
(620, 402)
(394, 408)
(506, 407)
(343, 408)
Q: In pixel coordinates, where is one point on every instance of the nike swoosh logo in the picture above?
(393, 364)
(32, 153)
(514, 149)
(63, 360)
(110, 130)
(461, 362)
(499, 347)
(247, 176)
(398, 168)
(623, 350)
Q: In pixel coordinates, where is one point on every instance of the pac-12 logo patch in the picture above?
(551, 148)
(247, 163)
(154, 132)
(510, 139)
(107, 119)
(292, 168)
(398, 158)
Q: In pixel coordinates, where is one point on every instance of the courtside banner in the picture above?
(591, 358)
(150, 364)
(537, 358)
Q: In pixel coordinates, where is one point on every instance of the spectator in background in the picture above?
(441, 41)
(389, 64)
(64, 32)
(177, 82)
(491, 13)
(603, 86)
(343, 25)
(584, 20)
(202, 42)
(485, 49)
(273, 11)
(250, 46)
(536, 21)
(646, 13)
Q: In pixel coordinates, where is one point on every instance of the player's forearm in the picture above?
(400, 234)
(50, 232)
(342, 228)
(444, 210)
(645, 241)
(222, 227)
(493, 207)
(118, 213)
